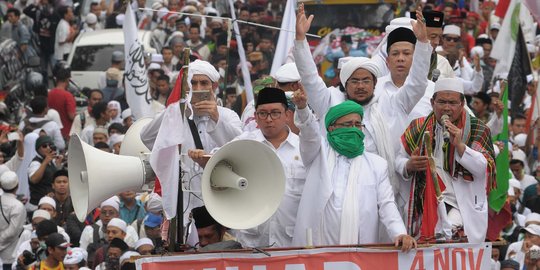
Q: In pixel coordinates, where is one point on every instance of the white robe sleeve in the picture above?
(310, 137)
(400, 163)
(388, 211)
(474, 162)
(319, 97)
(227, 127)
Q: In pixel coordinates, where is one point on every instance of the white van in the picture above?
(92, 51)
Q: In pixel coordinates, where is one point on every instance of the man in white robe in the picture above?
(216, 126)
(464, 162)
(359, 77)
(347, 191)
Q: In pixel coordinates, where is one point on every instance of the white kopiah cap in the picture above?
(449, 84)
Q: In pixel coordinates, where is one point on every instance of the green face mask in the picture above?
(348, 141)
(42, 245)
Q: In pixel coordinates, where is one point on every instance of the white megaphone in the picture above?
(243, 184)
(132, 144)
(95, 175)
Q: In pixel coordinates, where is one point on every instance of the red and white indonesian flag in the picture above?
(136, 78)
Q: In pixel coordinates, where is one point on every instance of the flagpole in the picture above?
(233, 20)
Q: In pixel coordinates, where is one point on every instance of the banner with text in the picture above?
(438, 257)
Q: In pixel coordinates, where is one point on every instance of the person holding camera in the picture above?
(41, 170)
(12, 219)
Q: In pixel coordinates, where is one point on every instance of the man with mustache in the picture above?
(359, 77)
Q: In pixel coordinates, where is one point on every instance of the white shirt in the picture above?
(87, 235)
(15, 213)
(280, 227)
(76, 127)
(62, 32)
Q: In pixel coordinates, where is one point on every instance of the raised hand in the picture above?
(419, 27)
(302, 23)
(299, 98)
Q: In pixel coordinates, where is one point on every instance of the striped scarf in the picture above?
(476, 135)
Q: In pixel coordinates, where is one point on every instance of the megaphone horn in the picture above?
(95, 175)
(243, 184)
(132, 144)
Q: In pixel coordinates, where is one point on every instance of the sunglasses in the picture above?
(46, 145)
(452, 39)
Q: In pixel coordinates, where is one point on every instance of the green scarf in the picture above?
(347, 141)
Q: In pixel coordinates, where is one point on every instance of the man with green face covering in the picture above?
(347, 191)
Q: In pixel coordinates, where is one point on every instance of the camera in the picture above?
(28, 257)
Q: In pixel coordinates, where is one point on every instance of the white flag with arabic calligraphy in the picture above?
(136, 77)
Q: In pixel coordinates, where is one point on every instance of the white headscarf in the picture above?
(199, 67)
(355, 63)
(113, 104)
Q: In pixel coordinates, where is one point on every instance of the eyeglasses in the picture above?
(273, 114)
(46, 145)
(457, 39)
(349, 124)
(452, 103)
(356, 82)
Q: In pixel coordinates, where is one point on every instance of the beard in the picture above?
(362, 102)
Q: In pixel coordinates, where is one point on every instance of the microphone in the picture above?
(446, 134)
(435, 75)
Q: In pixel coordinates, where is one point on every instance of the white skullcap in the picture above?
(154, 66)
(120, 19)
(452, 30)
(449, 84)
(514, 183)
(287, 73)
(496, 26)
(47, 200)
(519, 155)
(208, 10)
(530, 78)
(143, 241)
(154, 203)
(9, 180)
(397, 23)
(116, 138)
(162, 12)
(477, 50)
(127, 255)
(91, 18)
(75, 256)
(157, 58)
(358, 62)
(485, 36)
(531, 48)
(511, 191)
(40, 213)
(520, 139)
(113, 202)
(157, 5)
(118, 223)
(126, 113)
(532, 217)
(533, 229)
(199, 67)
(343, 60)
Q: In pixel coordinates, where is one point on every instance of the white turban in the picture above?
(75, 256)
(143, 241)
(127, 255)
(40, 213)
(355, 63)
(47, 200)
(287, 73)
(118, 223)
(449, 84)
(113, 202)
(199, 67)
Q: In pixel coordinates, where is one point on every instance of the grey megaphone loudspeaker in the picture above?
(243, 184)
(132, 144)
(95, 175)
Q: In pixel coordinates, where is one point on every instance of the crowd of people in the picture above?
(398, 147)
